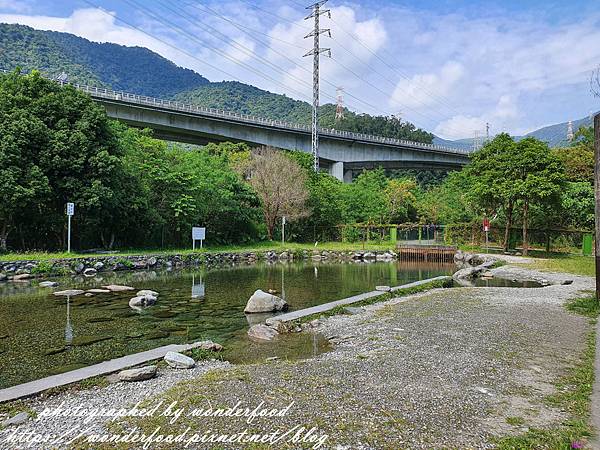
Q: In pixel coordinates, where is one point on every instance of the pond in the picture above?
(42, 334)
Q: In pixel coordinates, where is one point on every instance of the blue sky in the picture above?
(448, 66)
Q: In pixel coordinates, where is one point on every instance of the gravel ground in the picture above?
(442, 369)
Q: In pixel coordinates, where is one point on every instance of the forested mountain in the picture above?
(132, 69)
(141, 71)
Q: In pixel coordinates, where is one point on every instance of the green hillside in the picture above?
(132, 69)
(141, 71)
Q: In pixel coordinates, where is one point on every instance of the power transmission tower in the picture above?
(570, 133)
(487, 131)
(339, 110)
(477, 140)
(316, 52)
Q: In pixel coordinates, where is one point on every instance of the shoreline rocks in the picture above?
(179, 361)
(139, 374)
(113, 263)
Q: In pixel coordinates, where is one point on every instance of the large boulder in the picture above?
(139, 374)
(179, 361)
(262, 333)
(262, 302)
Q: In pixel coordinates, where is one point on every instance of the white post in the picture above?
(283, 230)
(69, 234)
(193, 244)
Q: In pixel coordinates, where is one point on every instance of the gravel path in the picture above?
(442, 369)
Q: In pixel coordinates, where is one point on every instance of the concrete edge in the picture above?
(103, 368)
(295, 315)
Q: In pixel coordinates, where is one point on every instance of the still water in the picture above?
(42, 334)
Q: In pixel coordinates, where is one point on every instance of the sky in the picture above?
(448, 66)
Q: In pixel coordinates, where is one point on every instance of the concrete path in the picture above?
(294, 315)
(106, 367)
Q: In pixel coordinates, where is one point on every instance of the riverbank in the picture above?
(461, 368)
(27, 266)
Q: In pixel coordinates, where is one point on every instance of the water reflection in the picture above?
(212, 308)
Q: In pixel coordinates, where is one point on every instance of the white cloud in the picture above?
(422, 90)
(15, 6)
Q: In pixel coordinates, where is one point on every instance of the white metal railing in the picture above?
(200, 110)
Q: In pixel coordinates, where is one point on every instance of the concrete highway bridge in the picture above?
(341, 152)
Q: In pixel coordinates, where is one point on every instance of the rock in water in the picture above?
(118, 288)
(142, 300)
(179, 361)
(48, 284)
(262, 333)
(98, 291)
(147, 292)
(143, 373)
(90, 272)
(16, 420)
(69, 292)
(262, 302)
(22, 277)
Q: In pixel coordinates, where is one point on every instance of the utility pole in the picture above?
(316, 52)
(339, 110)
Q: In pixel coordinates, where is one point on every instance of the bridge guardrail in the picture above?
(185, 107)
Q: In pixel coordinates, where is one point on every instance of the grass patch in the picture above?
(578, 265)
(573, 395)
(586, 306)
(515, 421)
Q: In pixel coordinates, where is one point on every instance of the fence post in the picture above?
(394, 235)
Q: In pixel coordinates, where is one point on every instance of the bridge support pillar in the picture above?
(337, 170)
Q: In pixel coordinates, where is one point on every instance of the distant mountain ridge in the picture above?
(555, 135)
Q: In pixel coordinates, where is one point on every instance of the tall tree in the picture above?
(280, 184)
(492, 170)
(537, 176)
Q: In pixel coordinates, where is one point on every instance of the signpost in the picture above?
(70, 213)
(198, 234)
(486, 228)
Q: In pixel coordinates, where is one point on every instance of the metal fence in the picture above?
(468, 235)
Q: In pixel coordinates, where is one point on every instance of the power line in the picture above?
(220, 52)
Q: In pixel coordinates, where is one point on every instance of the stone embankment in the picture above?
(90, 266)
